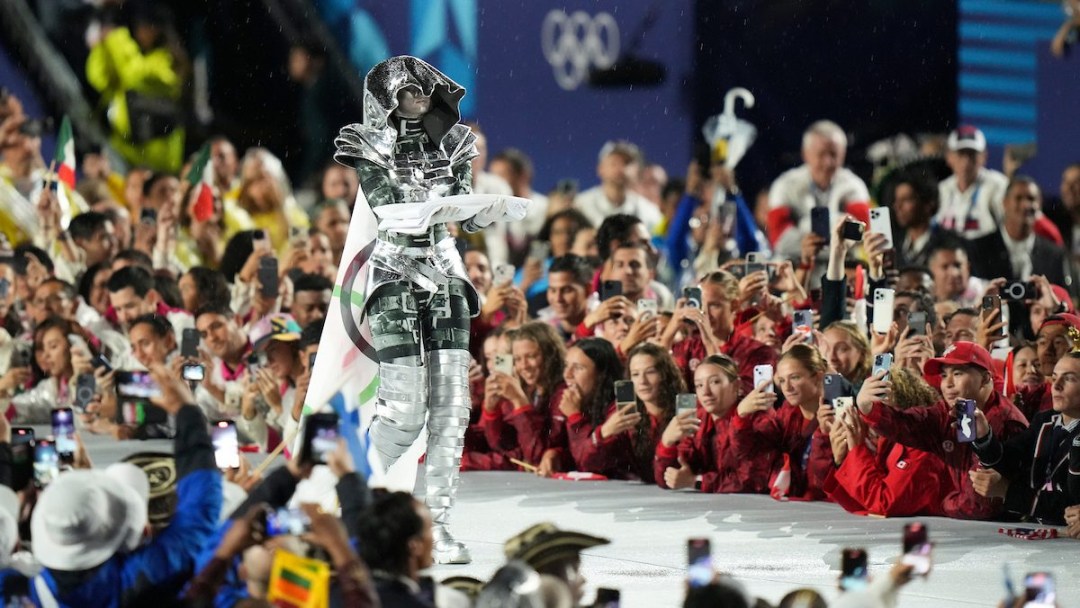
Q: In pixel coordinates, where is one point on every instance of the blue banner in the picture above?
(526, 67)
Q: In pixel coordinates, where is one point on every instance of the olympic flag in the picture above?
(346, 373)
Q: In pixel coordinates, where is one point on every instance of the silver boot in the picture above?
(401, 410)
(448, 417)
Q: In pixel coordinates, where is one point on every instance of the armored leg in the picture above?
(448, 415)
(401, 408)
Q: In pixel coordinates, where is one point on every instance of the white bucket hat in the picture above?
(9, 524)
(85, 517)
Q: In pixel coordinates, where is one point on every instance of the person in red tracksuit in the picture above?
(517, 419)
(587, 403)
(1024, 384)
(477, 454)
(624, 446)
(791, 431)
(877, 476)
(712, 331)
(964, 371)
(695, 450)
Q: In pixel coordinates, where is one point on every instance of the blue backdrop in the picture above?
(529, 93)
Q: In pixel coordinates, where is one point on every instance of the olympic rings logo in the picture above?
(574, 43)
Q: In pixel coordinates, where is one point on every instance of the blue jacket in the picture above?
(157, 571)
(678, 237)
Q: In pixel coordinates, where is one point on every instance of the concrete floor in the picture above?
(773, 547)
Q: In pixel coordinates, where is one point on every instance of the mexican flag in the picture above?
(65, 154)
(199, 178)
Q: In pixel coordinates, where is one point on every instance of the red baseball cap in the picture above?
(960, 353)
(1065, 318)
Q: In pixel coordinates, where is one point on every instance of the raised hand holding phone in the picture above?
(759, 400)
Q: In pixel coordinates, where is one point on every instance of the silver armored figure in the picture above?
(413, 160)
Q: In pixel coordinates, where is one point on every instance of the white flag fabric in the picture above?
(346, 373)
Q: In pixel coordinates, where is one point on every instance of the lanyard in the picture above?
(970, 221)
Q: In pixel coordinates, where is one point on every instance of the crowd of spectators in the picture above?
(754, 369)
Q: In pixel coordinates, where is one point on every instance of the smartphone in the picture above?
(297, 234)
(917, 322)
(148, 216)
(881, 223)
(819, 222)
(842, 403)
(226, 444)
(539, 250)
(624, 393)
(567, 187)
(504, 364)
(1040, 590)
(647, 308)
(22, 356)
(136, 384)
(882, 362)
(853, 571)
(888, 259)
(917, 548)
(63, 430)
(268, 277)
(259, 242)
(693, 296)
(834, 387)
(989, 305)
(1022, 153)
(503, 275)
(965, 420)
(22, 457)
(46, 462)
(607, 598)
(85, 388)
(134, 389)
(852, 231)
(685, 402)
(764, 373)
(254, 362)
(610, 289)
(320, 437)
(699, 564)
(804, 321)
(193, 372)
(883, 310)
(101, 362)
(189, 343)
(287, 522)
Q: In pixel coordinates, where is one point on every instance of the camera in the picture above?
(1019, 290)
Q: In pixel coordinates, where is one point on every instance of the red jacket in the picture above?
(522, 432)
(894, 481)
(930, 429)
(477, 454)
(1032, 400)
(711, 455)
(746, 351)
(613, 456)
(794, 447)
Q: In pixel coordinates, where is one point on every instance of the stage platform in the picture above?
(773, 547)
